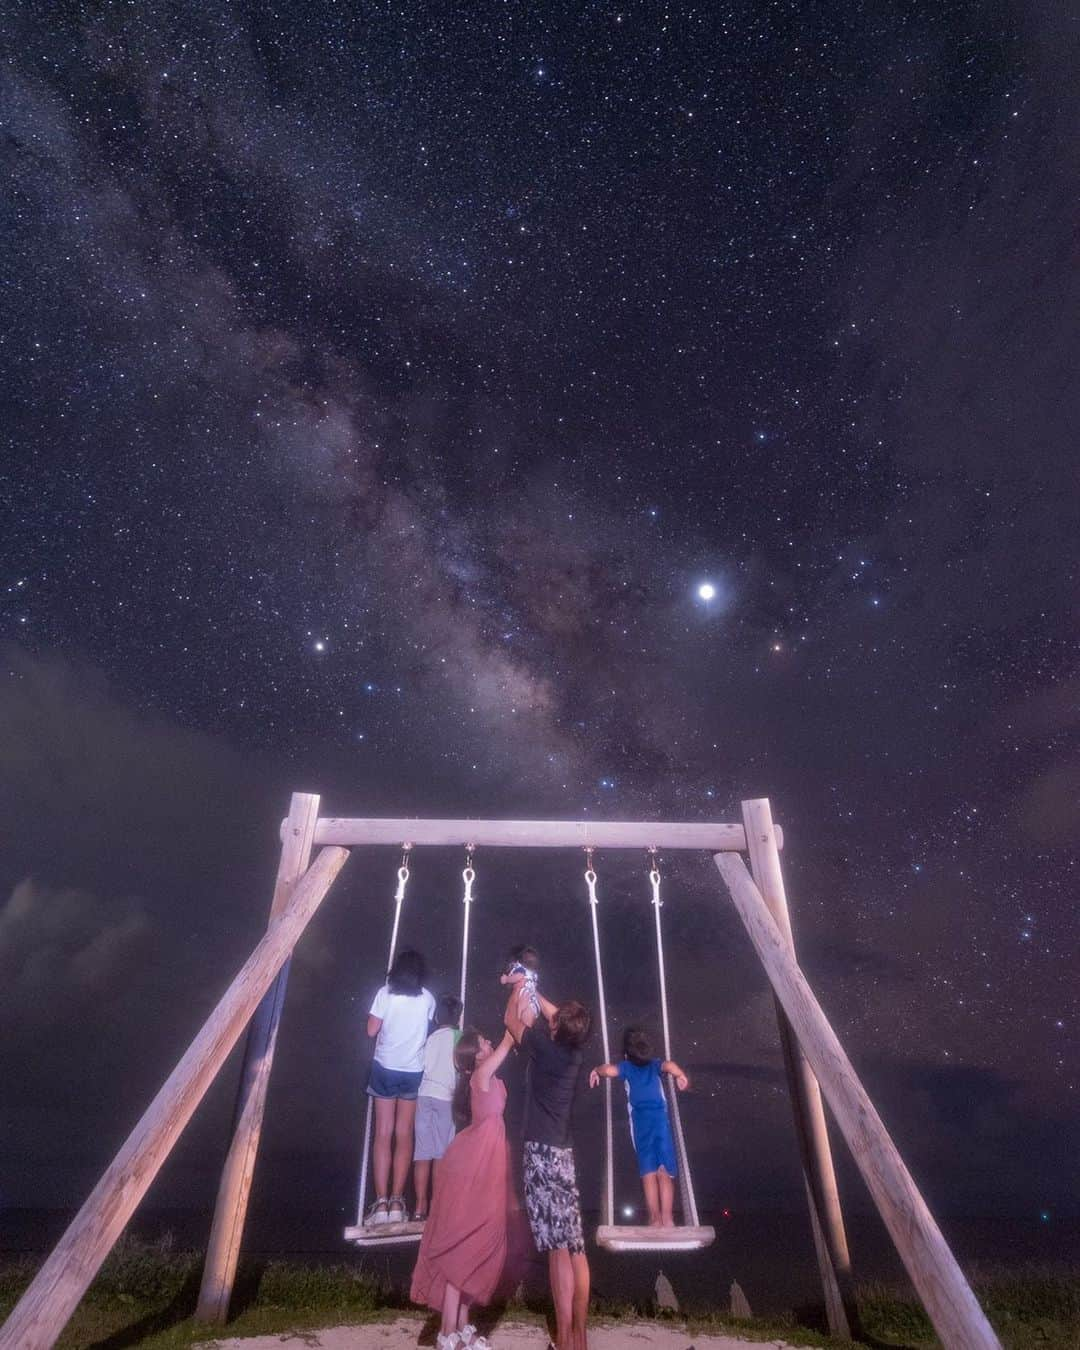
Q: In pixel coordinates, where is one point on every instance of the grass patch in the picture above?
(145, 1296)
(1030, 1309)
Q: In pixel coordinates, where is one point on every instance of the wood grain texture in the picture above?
(950, 1304)
(384, 1234)
(42, 1312)
(811, 1131)
(234, 1189)
(354, 831)
(625, 1237)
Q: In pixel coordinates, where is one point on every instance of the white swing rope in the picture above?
(468, 876)
(686, 1184)
(399, 897)
(608, 1199)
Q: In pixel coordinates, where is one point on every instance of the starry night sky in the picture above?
(379, 385)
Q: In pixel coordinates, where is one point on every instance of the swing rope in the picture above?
(609, 1133)
(468, 876)
(399, 898)
(686, 1184)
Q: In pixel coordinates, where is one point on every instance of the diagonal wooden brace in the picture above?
(949, 1301)
(42, 1312)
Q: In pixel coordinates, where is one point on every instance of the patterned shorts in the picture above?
(551, 1198)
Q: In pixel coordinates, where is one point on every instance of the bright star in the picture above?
(320, 646)
(706, 591)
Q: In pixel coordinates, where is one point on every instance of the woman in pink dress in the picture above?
(463, 1249)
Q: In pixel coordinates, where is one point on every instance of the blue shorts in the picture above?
(651, 1132)
(386, 1082)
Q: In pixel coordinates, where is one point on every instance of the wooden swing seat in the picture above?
(625, 1237)
(384, 1234)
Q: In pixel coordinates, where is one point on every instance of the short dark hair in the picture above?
(407, 974)
(525, 956)
(637, 1046)
(448, 1010)
(571, 1024)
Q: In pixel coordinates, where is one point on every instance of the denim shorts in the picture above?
(386, 1082)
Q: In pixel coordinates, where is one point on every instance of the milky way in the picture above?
(380, 393)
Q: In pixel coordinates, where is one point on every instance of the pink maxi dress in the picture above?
(464, 1240)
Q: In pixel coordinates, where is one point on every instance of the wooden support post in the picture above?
(42, 1312)
(234, 1189)
(950, 1304)
(819, 1176)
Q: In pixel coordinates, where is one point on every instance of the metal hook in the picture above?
(469, 874)
(654, 877)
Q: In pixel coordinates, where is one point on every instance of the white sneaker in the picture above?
(376, 1214)
(451, 1342)
(467, 1333)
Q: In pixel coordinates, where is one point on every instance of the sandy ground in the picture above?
(404, 1334)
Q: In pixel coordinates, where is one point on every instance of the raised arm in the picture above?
(548, 1008)
(485, 1071)
(681, 1080)
(603, 1071)
(513, 1019)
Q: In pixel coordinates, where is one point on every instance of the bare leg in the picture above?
(451, 1301)
(403, 1144)
(380, 1149)
(463, 1313)
(580, 1265)
(652, 1198)
(666, 1184)
(561, 1277)
(421, 1180)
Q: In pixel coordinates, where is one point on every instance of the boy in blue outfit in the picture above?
(650, 1127)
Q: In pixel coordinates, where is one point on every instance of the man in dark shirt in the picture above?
(552, 1044)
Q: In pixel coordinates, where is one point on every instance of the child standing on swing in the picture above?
(650, 1125)
(398, 1024)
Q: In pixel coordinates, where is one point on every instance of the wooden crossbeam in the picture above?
(351, 832)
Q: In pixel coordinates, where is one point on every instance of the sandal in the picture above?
(451, 1342)
(396, 1211)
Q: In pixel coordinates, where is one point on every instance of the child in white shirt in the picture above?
(434, 1105)
(398, 1022)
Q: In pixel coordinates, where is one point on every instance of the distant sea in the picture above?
(771, 1255)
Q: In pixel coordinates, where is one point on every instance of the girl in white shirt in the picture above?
(399, 1019)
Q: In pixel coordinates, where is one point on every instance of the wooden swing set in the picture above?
(814, 1060)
